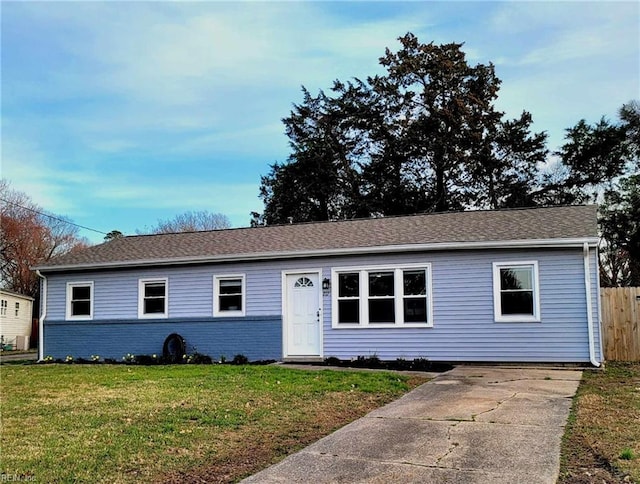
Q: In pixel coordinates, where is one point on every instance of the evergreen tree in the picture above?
(425, 136)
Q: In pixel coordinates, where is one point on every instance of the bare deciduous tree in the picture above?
(29, 237)
(190, 222)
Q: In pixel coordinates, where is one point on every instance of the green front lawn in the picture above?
(209, 423)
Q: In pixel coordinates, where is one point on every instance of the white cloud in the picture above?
(556, 32)
(83, 194)
(144, 203)
(518, 18)
(198, 67)
(267, 141)
(26, 167)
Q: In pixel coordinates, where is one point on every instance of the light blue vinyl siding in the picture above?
(464, 327)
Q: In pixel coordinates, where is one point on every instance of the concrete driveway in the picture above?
(471, 425)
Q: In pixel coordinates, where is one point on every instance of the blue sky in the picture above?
(118, 114)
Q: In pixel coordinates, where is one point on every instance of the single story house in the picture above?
(15, 319)
(481, 286)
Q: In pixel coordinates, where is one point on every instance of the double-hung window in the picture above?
(414, 295)
(516, 293)
(153, 301)
(80, 300)
(3, 307)
(382, 296)
(348, 300)
(229, 295)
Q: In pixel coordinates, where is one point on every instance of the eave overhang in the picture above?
(303, 254)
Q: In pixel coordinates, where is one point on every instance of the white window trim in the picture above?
(70, 286)
(364, 296)
(497, 305)
(141, 284)
(216, 292)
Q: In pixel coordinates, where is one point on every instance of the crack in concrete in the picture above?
(531, 379)
(452, 445)
(407, 463)
(423, 419)
(498, 403)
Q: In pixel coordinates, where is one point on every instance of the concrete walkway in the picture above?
(471, 425)
(18, 356)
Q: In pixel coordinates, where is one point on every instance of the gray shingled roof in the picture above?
(445, 229)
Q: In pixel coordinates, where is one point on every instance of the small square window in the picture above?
(80, 300)
(152, 298)
(229, 295)
(516, 294)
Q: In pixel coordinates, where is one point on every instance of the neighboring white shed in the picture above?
(15, 319)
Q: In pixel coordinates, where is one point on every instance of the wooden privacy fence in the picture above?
(621, 323)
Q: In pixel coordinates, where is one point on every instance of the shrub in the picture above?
(333, 361)
(401, 364)
(421, 364)
(239, 360)
(129, 358)
(367, 362)
(146, 360)
(199, 359)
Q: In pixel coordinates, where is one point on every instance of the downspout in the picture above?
(587, 289)
(43, 299)
(599, 299)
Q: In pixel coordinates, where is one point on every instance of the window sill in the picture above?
(381, 326)
(229, 314)
(518, 320)
(153, 316)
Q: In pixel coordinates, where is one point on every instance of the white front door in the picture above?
(303, 314)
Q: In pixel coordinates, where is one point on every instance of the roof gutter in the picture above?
(43, 298)
(587, 288)
(499, 244)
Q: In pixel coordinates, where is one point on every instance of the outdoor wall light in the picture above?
(326, 284)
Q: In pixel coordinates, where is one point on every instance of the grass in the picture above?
(602, 439)
(182, 423)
